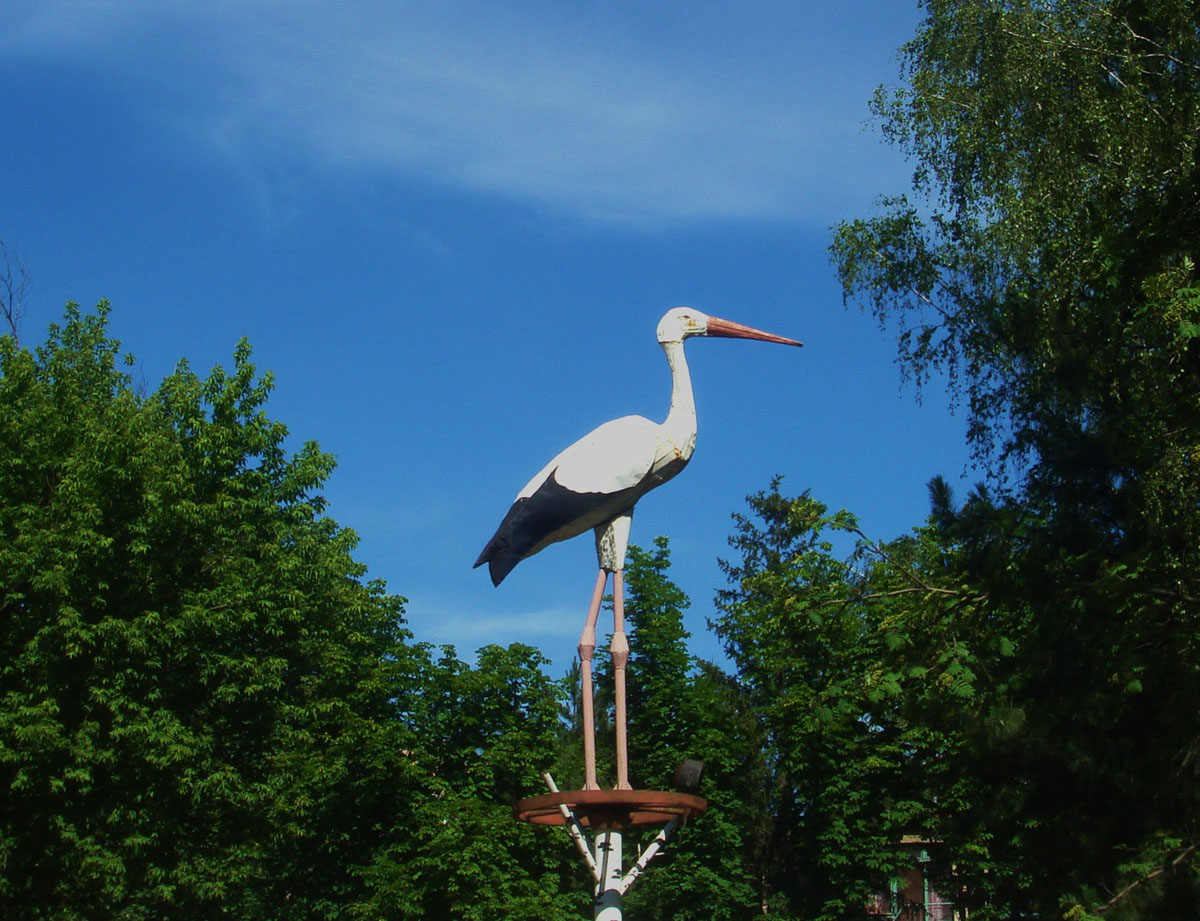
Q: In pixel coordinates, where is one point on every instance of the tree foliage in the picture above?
(204, 708)
(1048, 260)
(815, 640)
(1047, 263)
(187, 645)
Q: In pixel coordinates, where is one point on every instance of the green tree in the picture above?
(205, 711)
(820, 652)
(1047, 263)
(484, 734)
(197, 684)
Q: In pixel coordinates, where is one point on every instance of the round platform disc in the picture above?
(602, 808)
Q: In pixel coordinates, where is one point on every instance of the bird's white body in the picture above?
(600, 477)
(622, 460)
(618, 455)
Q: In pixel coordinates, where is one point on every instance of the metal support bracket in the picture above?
(608, 815)
(575, 830)
(648, 853)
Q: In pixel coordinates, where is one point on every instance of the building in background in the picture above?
(910, 897)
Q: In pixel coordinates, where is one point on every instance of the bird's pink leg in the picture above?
(620, 658)
(587, 646)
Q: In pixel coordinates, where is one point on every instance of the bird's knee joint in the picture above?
(619, 650)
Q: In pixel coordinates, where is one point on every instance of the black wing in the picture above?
(552, 513)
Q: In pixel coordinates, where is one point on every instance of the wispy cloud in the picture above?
(745, 111)
(467, 630)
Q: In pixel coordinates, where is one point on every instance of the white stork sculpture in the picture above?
(594, 485)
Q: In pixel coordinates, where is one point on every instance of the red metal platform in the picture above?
(611, 808)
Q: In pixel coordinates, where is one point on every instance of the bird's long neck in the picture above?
(680, 425)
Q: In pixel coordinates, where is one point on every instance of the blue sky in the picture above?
(450, 230)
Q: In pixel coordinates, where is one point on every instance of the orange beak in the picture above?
(727, 329)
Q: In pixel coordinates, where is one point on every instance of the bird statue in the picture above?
(594, 485)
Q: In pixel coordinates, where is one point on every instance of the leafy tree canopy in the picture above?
(1047, 262)
(1048, 258)
(205, 709)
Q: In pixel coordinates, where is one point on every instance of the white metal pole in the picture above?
(609, 889)
(574, 829)
(648, 854)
